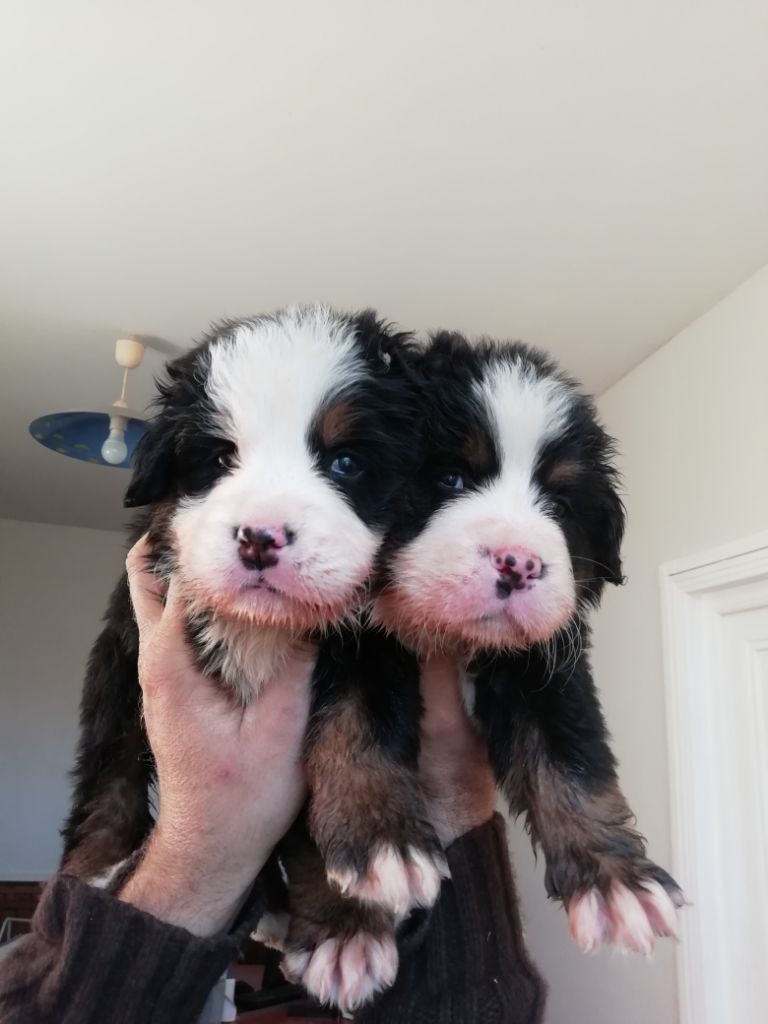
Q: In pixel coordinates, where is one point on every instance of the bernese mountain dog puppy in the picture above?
(510, 530)
(305, 466)
(269, 478)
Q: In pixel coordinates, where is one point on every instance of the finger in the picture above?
(145, 587)
(180, 675)
(284, 701)
(441, 692)
(175, 606)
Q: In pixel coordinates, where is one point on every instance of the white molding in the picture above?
(755, 544)
(696, 593)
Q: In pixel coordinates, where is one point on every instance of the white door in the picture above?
(716, 648)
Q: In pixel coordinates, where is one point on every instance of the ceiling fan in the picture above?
(108, 436)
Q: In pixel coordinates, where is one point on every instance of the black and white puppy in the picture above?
(270, 476)
(511, 529)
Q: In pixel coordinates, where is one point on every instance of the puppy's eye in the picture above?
(561, 508)
(346, 467)
(453, 482)
(227, 459)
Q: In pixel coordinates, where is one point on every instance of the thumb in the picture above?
(145, 588)
(441, 693)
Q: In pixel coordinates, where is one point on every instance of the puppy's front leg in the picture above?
(549, 748)
(341, 950)
(367, 814)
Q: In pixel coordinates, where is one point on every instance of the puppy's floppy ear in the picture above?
(609, 533)
(152, 465)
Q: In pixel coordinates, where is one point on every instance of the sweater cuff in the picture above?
(472, 964)
(481, 904)
(150, 969)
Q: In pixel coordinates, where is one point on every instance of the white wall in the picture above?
(692, 424)
(54, 584)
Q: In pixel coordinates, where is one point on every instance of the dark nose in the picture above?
(517, 569)
(258, 545)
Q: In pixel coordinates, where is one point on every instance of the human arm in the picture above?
(230, 782)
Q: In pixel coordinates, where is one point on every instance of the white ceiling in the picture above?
(587, 176)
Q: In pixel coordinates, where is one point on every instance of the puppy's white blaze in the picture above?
(528, 411)
(588, 920)
(272, 930)
(630, 925)
(659, 908)
(272, 375)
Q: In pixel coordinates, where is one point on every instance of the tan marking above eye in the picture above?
(475, 450)
(335, 422)
(563, 472)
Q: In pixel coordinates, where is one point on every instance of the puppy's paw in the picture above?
(397, 879)
(629, 917)
(345, 971)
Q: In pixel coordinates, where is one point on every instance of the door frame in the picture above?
(691, 590)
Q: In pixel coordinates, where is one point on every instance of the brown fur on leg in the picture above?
(367, 814)
(316, 909)
(114, 827)
(588, 836)
(343, 951)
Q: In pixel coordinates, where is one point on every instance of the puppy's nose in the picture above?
(517, 569)
(258, 545)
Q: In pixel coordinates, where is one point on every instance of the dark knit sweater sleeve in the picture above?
(472, 966)
(91, 958)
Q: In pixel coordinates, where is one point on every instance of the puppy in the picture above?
(269, 477)
(511, 528)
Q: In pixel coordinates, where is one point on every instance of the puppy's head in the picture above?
(513, 519)
(274, 459)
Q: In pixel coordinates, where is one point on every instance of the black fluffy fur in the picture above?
(180, 455)
(538, 709)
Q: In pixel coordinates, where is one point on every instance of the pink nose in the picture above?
(257, 544)
(518, 566)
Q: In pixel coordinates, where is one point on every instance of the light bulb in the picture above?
(115, 450)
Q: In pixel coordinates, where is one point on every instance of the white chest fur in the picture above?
(245, 655)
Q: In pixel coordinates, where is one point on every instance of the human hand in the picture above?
(454, 769)
(230, 779)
